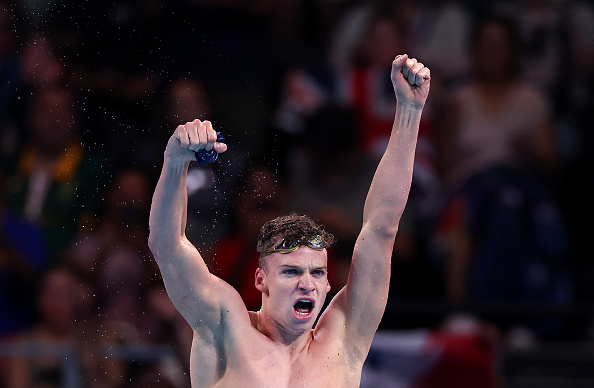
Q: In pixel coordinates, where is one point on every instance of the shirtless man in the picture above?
(278, 346)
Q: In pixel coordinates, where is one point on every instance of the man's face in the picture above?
(294, 288)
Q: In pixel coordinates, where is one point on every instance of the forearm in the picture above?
(167, 220)
(391, 183)
(368, 282)
(371, 264)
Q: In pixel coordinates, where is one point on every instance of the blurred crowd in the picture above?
(503, 190)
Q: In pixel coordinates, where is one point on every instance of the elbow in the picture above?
(160, 247)
(152, 243)
(387, 231)
(385, 224)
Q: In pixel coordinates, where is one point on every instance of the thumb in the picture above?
(399, 61)
(219, 147)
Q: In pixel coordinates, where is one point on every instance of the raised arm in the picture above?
(361, 304)
(187, 279)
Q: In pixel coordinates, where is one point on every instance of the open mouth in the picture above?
(303, 307)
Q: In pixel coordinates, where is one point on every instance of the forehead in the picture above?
(302, 257)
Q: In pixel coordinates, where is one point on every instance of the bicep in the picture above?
(369, 278)
(357, 309)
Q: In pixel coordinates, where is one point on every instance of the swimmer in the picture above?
(279, 345)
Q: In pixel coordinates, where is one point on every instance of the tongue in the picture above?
(303, 307)
(302, 310)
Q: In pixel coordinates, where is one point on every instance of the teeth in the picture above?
(302, 310)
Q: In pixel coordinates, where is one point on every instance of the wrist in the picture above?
(411, 106)
(408, 114)
(175, 160)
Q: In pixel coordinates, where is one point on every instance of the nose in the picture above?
(306, 284)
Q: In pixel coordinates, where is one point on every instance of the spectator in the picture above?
(169, 328)
(496, 119)
(210, 203)
(22, 262)
(502, 236)
(53, 179)
(541, 29)
(363, 82)
(63, 302)
(329, 177)
(10, 80)
(113, 255)
(439, 33)
(26, 69)
(234, 257)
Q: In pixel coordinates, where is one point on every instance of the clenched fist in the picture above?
(411, 81)
(191, 137)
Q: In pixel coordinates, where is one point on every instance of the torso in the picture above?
(489, 126)
(247, 358)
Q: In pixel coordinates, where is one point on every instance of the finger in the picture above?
(397, 67)
(425, 73)
(181, 133)
(201, 131)
(193, 134)
(406, 69)
(399, 61)
(414, 78)
(211, 135)
(220, 147)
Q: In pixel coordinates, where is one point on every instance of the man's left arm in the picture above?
(360, 305)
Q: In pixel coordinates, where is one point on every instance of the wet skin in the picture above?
(277, 346)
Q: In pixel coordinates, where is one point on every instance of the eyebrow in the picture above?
(300, 267)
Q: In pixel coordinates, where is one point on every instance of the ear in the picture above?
(328, 288)
(260, 280)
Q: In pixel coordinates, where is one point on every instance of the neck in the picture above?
(294, 341)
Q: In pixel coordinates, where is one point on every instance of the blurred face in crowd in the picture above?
(58, 299)
(262, 200)
(129, 198)
(187, 100)
(39, 64)
(52, 119)
(382, 42)
(493, 52)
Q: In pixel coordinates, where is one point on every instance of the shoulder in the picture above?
(333, 331)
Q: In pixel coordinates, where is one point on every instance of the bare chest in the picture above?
(323, 365)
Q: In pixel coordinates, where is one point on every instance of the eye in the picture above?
(318, 272)
(290, 271)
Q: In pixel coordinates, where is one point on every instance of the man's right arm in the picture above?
(190, 285)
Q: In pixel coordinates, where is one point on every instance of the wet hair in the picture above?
(292, 225)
